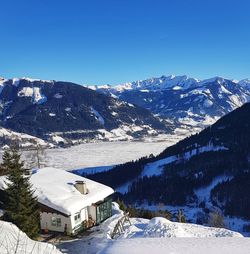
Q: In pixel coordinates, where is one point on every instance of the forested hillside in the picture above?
(221, 151)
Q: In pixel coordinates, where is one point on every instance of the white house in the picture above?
(68, 202)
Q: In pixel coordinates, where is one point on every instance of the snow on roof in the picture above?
(55, 189)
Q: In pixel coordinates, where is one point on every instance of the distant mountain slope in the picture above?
(8, 138)
(209, 169)
(60, 111)
(185, 101)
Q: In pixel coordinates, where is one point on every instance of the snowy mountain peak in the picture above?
(190, 102)
(64, 112)
(34, 80)
(216, 79)
(182, 82)
(162, 83)
(244, 82)
(16, 81)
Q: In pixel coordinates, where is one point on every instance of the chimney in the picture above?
(81, 186)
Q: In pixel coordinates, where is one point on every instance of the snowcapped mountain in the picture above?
(161, 83)
(66, 113)
(186, 102)
(244, 82)
(63, 112)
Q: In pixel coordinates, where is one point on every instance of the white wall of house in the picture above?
(83, 216)
(47, 219)
(92, 212)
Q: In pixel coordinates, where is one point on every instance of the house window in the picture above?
(56, 222)
(77, 218)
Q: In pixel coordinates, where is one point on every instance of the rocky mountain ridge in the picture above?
(67, 113)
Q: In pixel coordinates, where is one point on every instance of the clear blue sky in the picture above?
(114, 41)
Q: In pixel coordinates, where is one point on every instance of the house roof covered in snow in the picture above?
(55, 188)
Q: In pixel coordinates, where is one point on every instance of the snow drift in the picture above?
(13, 240)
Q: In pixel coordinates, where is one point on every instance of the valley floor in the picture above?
(102, 154)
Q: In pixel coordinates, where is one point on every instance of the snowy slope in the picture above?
(8, 137)
(179, 246)
(210, 163)
(155, 168)
(155, 236)
(161, 227)
(14, 241)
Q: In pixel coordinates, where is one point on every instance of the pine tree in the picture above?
(180, 216)
(21, 206)
(216, 220)
(121, 204)
(4, 169)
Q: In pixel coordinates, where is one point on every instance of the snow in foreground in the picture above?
(160, 227)
(157, 235)
(179, 246)
(13, 240)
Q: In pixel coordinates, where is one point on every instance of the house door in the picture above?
(103, 211)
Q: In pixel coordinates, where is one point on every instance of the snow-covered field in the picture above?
(157, 235)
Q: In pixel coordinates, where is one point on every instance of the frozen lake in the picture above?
(101, 154)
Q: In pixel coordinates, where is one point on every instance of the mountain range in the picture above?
(67, 113)
(185, 102)
(62, 113)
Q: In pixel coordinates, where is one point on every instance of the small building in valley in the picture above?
(68, 203)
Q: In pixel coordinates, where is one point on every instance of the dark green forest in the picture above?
(176, 184)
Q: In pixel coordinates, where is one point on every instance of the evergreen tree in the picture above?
(21, 206)
(121, 204)
(216, 220)
(180, 216)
